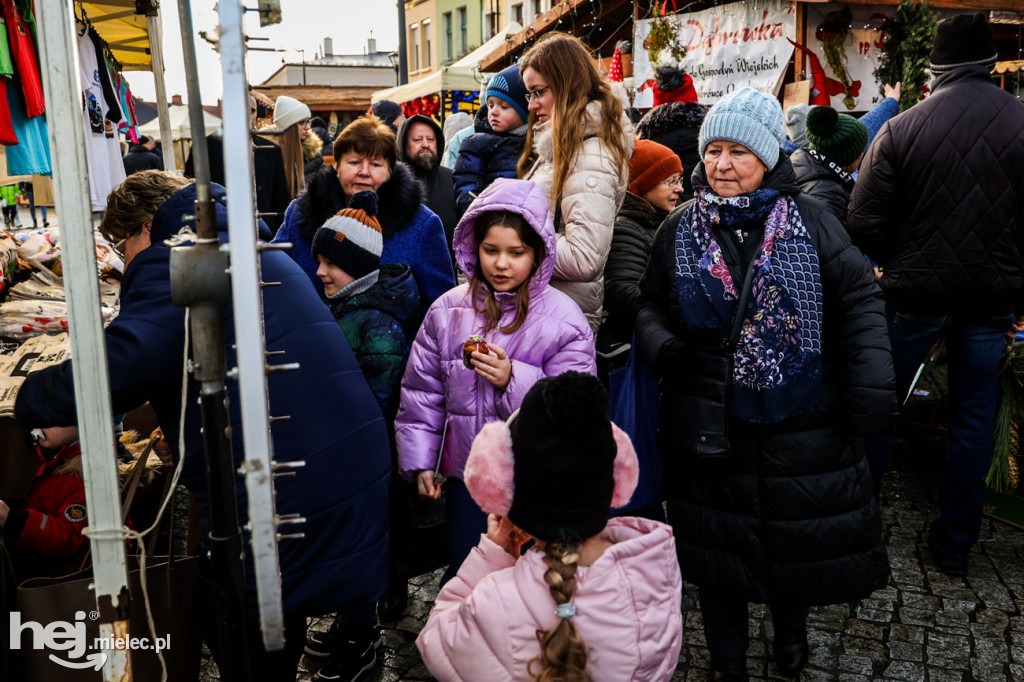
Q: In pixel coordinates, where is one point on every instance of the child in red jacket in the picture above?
(48, 529)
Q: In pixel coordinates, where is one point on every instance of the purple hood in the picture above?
(515, 196)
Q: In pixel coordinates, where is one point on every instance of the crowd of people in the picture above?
(780, 289)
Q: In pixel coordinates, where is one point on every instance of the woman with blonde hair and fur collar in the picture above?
(577, 149)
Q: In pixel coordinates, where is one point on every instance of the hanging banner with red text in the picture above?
(727, 48)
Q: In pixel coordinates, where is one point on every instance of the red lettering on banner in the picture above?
(693, 34)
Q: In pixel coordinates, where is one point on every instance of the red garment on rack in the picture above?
(8, 137)
(23, 54)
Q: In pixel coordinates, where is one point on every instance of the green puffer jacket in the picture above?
(9, 193)
(379, 324)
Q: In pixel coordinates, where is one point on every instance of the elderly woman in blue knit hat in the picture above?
(768, 333)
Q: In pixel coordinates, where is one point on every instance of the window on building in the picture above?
(463, 30)
(446, 25)
(414, 43)
(428, 42)
(517, 13)
(538, 8)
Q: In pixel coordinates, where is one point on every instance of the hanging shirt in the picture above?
(112, 110)
(31, 156)
(6, 67)
(128, 125)
(106, 169)
(7, 135)
(23, 53)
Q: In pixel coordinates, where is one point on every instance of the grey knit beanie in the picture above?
(796, 123)
(750, 118)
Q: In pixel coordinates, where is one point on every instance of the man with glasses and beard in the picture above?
(419, 143)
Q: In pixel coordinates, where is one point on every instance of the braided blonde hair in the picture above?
(563, 655)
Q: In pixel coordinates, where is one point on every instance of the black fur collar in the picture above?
(398, 200)
(671, 116)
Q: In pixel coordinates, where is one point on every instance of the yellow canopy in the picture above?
(125, 31)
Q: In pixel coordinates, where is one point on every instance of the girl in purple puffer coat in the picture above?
(506, 246)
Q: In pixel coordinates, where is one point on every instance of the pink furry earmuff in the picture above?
(490, 469)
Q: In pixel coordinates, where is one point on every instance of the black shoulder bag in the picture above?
(704, 404)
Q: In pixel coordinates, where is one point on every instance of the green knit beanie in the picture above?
(840, 137)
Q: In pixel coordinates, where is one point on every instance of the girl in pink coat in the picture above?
(593, 598)
(506, 246)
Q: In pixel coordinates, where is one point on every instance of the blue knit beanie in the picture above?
(750, 118)
(508, 85)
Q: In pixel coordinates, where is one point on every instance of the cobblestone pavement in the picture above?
(923, 626)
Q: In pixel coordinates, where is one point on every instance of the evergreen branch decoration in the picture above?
(1004, 474)
(661, 37)
(906, 45)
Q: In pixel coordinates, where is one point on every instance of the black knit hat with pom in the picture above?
(564, 459)
(840, 137)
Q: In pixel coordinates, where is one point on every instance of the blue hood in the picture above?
(170, 217)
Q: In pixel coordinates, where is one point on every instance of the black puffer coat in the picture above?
(635, 226)
(790, 517)
(484, 157)
(940, 201)
(817, 180)
(677, 126)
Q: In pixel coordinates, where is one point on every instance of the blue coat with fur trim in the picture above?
(335, 426)
(484, 157)
(413, 235)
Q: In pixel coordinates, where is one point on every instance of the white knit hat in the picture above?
(288, 111)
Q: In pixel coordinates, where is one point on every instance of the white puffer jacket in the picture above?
(591, 197)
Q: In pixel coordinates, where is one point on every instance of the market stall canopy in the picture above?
(319, 97)
(180, 128)
(460, 75)
(122, 24)
(618, 14)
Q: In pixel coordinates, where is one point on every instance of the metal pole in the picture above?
(403, 56)
(60, 66)
(156, 45)
(199, 280)
(196, 118)
(248, 318)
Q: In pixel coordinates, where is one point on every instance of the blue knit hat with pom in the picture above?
(750, 118)
(508, 85)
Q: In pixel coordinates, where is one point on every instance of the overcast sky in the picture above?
(304, 25)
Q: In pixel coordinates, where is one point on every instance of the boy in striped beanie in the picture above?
(347, 248)
(377, 309)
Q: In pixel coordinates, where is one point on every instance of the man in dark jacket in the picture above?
(336, 427)
(142, 156)
(419, 141)
(938, 206)
(824, 169)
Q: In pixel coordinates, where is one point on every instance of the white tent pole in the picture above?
(248, 306)
(156, 45)
(60, 66)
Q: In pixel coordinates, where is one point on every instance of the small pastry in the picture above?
(473, 343)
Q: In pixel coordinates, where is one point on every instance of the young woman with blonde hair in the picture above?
(577, 149)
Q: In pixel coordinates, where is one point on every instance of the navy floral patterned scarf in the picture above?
(777, 363)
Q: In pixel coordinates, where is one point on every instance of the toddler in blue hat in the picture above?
(494, 149)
